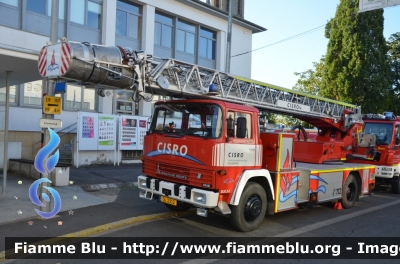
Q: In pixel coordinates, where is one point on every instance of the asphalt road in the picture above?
(375, 216)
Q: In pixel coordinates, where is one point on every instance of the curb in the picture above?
(104, 186)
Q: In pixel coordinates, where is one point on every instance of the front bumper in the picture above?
(386, 171)
(182, 193)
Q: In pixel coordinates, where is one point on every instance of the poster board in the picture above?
(142, 129)
(88, 131)
(106, 132)
(128, 132)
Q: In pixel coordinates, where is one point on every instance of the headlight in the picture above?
(142, 183)
(200, 197)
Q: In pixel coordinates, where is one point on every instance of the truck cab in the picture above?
(379, 144)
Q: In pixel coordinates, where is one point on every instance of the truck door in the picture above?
(240, 148)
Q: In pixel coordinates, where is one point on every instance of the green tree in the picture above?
(356, 69)
(394, 62)
(310, 81)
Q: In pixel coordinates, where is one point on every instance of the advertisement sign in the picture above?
(368, 5)
(106, 132)
(142, 131)
(87, 130)
(128, 132)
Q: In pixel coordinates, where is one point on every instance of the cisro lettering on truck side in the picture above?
(169, 148)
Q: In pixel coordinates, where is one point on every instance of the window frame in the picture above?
(86, 16)
(96, 100)
(22, 90)
(61, 9)
(187, 31)
(11, 6)
(214, 40)
(16, 98)
(172, 26)
(129, 25)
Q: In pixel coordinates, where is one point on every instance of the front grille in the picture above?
(179, 174)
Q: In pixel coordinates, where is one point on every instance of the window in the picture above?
(13, 95)
(61, 5)
(87, 13)
(194, 119)
(128, 22)
(232, 124)
(44, 7)
(207, 43)
(37, 6)
(79, 98)
(397, 135)
(163, 31)
(10, 2)
(124, 104)
(382, 132)
(185, 39)
(33, 93)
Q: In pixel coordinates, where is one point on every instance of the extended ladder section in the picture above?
(181, 79)
(121, 68)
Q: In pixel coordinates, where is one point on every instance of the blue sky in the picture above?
(276, 64)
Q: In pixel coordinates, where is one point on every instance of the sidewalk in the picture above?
(88, 178)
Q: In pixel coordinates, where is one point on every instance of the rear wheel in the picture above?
(349, 193)
(396, 185)
(179, 208)
(250, 212)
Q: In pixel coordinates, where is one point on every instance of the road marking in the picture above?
(106, 227)
(328, 222)
(309, 228)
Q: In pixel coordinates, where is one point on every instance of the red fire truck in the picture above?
(207, 148)
(381, 147)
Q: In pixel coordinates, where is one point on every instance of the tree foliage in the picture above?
(355, 67)
(394, 63)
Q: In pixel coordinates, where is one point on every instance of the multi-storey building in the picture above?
(194, 31)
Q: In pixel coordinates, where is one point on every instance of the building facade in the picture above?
(189, 30)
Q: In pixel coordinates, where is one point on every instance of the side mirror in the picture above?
(241, 127)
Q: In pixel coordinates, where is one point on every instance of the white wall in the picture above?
(22, 39)
(14, 151)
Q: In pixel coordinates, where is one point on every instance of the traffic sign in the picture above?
(52, 105)
(50, 123)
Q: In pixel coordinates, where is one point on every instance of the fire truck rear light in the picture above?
(222, 172)
(200, 197)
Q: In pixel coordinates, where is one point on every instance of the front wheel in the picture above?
(349, 193)
(249, 213)
(396, 185)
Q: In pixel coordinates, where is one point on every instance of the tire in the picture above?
(396, 186)
(249, 213)
(180, 208)
(349, 193)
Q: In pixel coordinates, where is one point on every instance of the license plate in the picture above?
(169, 201)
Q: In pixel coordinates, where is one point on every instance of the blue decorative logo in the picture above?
(35, 198)
(45, 166)
(51, 162)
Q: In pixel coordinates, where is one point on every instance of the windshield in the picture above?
(195, 119)
(383, 132)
